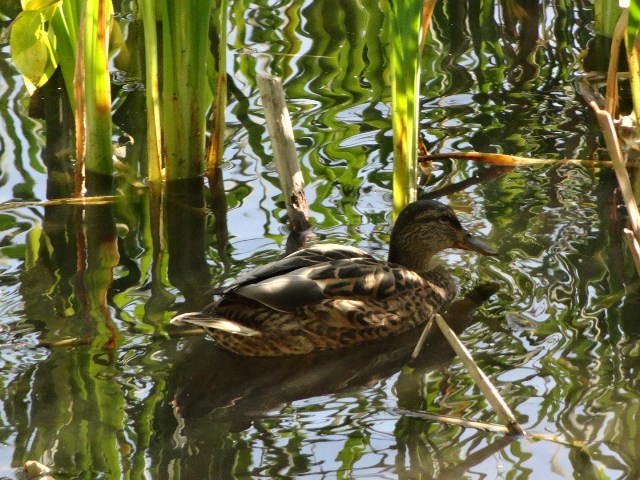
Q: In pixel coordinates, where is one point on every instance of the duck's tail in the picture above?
(203, 320)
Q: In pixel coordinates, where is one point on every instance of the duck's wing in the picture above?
(203, 320)
(282, 285)
(307, 257)
(347, 278)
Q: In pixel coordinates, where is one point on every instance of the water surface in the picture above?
(130, 398)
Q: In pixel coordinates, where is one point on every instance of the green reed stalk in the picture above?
(97, 88)
(633, 57)
(185, 50)
(634, 21)
(64, 23)
(405, 24)
(154, 132)
(216, 142)
(606, 16)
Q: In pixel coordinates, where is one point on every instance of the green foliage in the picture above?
(31, 43)
(606, 16)
(405, 27)
(97, 87)
(634, 21)
(65, 23)
(185, 96)
(43, 37)
(154, 134)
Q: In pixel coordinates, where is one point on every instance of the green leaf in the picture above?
(29, 49)
(41, 6)
(634, 21)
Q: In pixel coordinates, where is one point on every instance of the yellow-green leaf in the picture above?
(29, 47)
(634, 21)
(38, 4)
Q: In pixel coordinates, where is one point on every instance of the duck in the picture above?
(330, 296)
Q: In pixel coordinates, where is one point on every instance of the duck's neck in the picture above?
(416, 261)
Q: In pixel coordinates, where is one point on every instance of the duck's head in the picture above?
(424, 228)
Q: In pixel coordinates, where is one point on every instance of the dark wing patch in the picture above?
(307, 257)
(352, 278)
(284, 293)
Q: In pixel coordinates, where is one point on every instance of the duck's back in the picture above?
(326, 304)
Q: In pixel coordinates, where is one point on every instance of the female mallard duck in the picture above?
(332, 296)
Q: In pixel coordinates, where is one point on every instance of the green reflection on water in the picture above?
(559, 338)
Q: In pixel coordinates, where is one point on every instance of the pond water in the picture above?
(116, 392)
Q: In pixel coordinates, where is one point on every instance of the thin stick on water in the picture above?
(489, 391)
(425, 332)
(502, 159)
(489, 427)
(456, 421)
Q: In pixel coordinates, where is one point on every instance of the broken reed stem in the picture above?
(634, 246)
(611, 95)
(284, 150)
(488, 390)
(605, 119)
(425, 332)
(619, 167)
(634, 78)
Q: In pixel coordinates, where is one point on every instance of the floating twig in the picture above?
(511, 160)
(97, 200)
(423, 336)
(457, 421)
(480, 379)
(486, 426)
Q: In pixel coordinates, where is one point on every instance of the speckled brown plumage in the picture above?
(333, 296)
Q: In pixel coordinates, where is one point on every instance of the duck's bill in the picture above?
(474, 244)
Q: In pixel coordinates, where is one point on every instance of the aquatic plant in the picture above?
(406, 26)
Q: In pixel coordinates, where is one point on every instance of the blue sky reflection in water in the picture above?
(559, 338)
